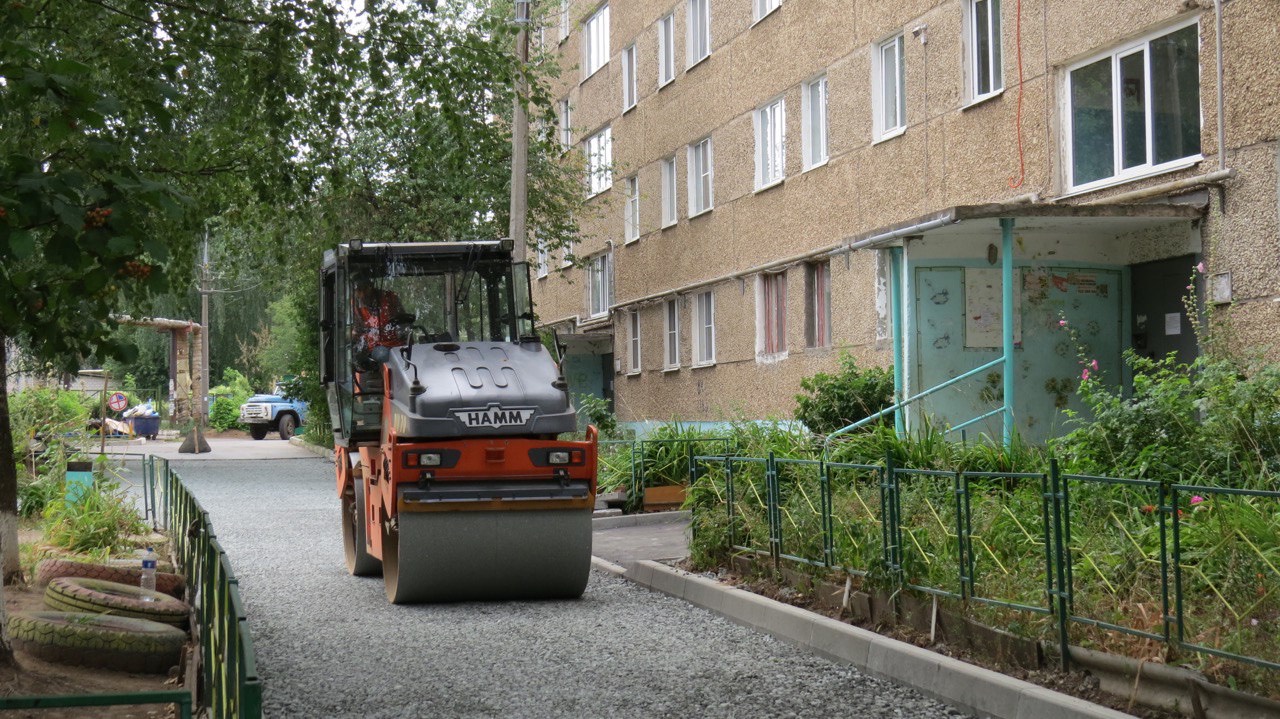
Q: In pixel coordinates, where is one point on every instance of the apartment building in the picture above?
(775, 182)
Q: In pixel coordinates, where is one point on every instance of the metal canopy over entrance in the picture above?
(965, 281)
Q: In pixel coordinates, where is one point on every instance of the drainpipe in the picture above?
(1222, 102)
(1006, 272)
(895, 305)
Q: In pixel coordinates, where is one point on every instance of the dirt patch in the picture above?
(1077, 683)
(34, 677)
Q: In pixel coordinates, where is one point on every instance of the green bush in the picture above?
(832, 401)
(102, 517)
(599, 411)
(1215, 421)
(235, 389)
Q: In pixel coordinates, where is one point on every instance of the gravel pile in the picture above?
(329, 645)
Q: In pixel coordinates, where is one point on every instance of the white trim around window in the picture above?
(599, 150)
(564, 20)
(770, 123)
(701, 177)
(599, 285)
(704, 329)
(813, 123)
(666, 50)
(763, 8)
(888, 88)
(697, 32)
(984, 75)
(633, 342)
(631, 211)
(668, 169)
(543, 260)
(1153, 125)
(595, 42)
(630, 83)
(671, 334)
(771, 317)
(566, 124)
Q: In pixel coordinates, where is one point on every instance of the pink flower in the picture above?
(1253, 622)
(1197, 499)
(1084, 376)
(1062, 323)
(1200, 268)
(1094, 365)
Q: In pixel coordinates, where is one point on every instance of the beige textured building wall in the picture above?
(951, 153)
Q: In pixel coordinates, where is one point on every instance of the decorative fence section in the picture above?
(1077, 556)
(229, 676)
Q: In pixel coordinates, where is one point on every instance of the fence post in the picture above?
(1063, 561)
(964, 529)
(732, 502)
(828, 528)
(772, 497)
(1177, 568)
(693, 477)
(889, 514)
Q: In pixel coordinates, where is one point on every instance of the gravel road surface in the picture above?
(329, 645)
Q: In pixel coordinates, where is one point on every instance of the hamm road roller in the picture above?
(447, 411)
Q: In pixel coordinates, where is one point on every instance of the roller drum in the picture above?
(487, 555)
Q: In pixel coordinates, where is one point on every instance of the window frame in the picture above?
(761, 9)
(703, 13)
(703, 329)
(995, 50)
(631, 211)
(666, 50)
(630, 83)
(771, 151)
(879, 101)
(671, 334)
(566, 124)
(599, 172)
(817, 304)
(564, 21)
(809, 159)
(595, 41)
(633, 342)
(771, 316)
(1114, 54)
(708, 172)
(600, 285)
(669, 186)
(543, 260)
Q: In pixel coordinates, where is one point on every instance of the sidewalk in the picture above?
(630, 538)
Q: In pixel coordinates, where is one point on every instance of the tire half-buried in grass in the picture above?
(98, 640)
(78, 594)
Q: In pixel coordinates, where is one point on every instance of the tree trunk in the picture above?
(8, 505)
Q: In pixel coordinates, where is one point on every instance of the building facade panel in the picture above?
(1077, 242)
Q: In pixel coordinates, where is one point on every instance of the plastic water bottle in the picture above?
(148, 580)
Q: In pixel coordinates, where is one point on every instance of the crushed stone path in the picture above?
(330, 645)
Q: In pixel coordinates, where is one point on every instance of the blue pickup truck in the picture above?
(266, 413)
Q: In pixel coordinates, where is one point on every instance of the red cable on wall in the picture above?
(1017, 123)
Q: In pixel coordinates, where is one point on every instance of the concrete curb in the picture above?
(640, 520)
(605, 565)
(312, 448)
(968, 687)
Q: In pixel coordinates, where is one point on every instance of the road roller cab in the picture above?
(446, 410)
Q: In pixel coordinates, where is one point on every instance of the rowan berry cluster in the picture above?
(135, 269)
(96, 217)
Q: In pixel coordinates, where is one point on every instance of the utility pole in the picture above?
(520, 137)
(195, 442)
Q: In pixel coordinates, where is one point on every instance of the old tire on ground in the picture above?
(49, 569)
(78, 594)
(98, 640)
(287, 424)
(487, 555)
(355, 531)
(258, 431)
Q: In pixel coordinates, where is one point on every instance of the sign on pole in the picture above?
(118, 402)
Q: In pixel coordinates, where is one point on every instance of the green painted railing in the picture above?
(230, 687)
(1078, 557)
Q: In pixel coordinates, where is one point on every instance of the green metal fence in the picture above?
(1197, 568)
(229, 683)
